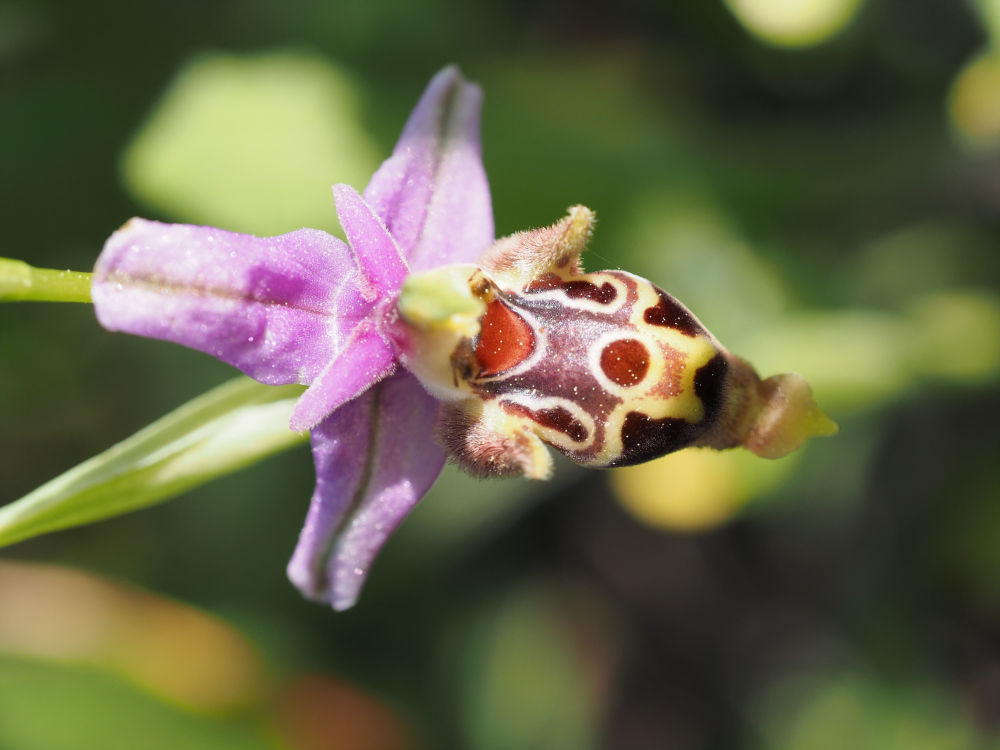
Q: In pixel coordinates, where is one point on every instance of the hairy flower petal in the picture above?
(278, 308)
(432, 193)
(358, 504)
(364, 361)
(339, 444)
(376, 253)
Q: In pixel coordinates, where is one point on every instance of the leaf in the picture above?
(70, 707)
(225, 429)
(251, 143)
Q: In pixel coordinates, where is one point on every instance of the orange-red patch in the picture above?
(505, 340)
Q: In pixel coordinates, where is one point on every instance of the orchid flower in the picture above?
(421, 336)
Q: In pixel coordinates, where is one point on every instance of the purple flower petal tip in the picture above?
(432, 193)
(375, 251)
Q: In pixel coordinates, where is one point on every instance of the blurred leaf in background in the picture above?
(126, 668)
(824, 712)
(252, 144)
(170, 650)
(527, 681)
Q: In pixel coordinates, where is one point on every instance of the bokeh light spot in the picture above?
(696, 488)
(975, 102)
(794, 23)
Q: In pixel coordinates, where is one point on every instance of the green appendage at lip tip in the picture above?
(20, 282)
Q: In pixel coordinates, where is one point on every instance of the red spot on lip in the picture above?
(505, 340)
(625, 361)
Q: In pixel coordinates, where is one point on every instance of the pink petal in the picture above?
(358, 503)
(432, 193)
(365, 360)
(339, 445)
(277, 308)
(376, 253)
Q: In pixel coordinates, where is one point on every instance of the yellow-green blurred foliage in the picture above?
(794, 23)
(251, 144)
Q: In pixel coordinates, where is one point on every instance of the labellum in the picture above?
(526, 349)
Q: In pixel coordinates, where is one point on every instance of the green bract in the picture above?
(225, 429)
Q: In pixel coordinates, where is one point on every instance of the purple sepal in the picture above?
(432, 193)
(376, 253)
(357, 504)
(275, 307)
(339, 444)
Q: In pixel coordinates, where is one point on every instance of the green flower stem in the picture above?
(24, 283)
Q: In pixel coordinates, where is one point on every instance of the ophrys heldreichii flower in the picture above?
(421, 325)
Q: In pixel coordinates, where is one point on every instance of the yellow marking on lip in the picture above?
(673, 351)
(555, 437)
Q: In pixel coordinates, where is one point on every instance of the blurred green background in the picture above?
(818, 180)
